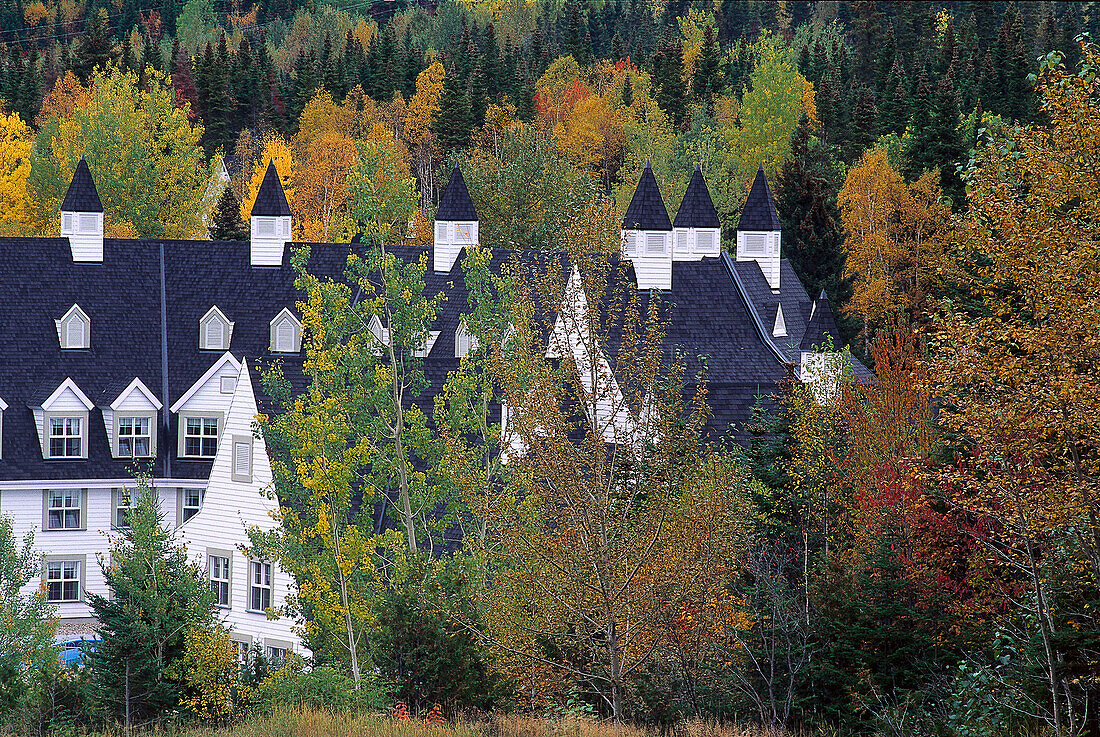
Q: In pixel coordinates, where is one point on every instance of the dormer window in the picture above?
(81, 223)
(74, 329)
(381, 334)
(780, 328)
(425, 348)
(630, 244)
(62, 420)
(704, 242)
(286, 333)
(215, 331)
(441, 231)
(269, 227)
(756, 243)
(465, 342)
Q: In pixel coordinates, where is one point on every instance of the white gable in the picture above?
(206, 393)
(779, 330)
(286, 332)
(67, 397)
(215, 331)
(136, 396)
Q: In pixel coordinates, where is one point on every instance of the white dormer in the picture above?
(465, 341)
(647, 235)
(693, 244)
(286, 333)
(426, 346)
(759, 231)
(62, 422)
(82, 217)
(215, 331)
(696, 232)
(381, 334)
(74, 329)
(131, 421)
(779, 330)
(202, 409)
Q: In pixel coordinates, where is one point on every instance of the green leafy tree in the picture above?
(157, 595)
(29, 623)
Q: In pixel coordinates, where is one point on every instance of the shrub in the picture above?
(320, 688)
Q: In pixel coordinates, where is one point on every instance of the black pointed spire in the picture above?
(759, 211)
(697, 208)
(821, 327)
(271, 199)
(455, 202)
(646, 210)
(82, 196)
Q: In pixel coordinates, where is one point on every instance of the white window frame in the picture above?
(464, 232)
(89, 223)
(226, 325)
(219, 569)
(134, 437)
(630, 243)
(122, 501)
(188, 510)
(655, 237)
(67, 504)
(227, 384)
(64, 329)
(70, 571)
(66, 435)
(441, 231)
(465, 342)
(756, 244)
(261, 579)
(284, 319)
(203, 418)
(266, 227)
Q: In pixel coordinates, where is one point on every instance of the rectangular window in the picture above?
(259, 595)
(241, 647)
(200, 437)
(66, 437)
(655, 243)
(756, 244)
(134, 440)
(124, 501)
(682, 242)
(441, 231)
(63, 581)
(463, 233)
(630, 245)
(276, 657)
(265, 227)
(67, 222)
(192, 503)
(228, 384)
(63, 509)
(219, 579)
(704, 241)
(89, 222)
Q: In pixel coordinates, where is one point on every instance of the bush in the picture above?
(320, 688)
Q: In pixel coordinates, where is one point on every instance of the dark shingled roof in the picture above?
(821, 327)
(697, 208)
(455, 202)
(646, 210)
(271, 199)
(759, 211)
(82, 195)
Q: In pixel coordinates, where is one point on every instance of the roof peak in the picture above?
(697, 208)
(759, 210)
(271, 199)
(82, 195)
(454, 202)
(646, 210)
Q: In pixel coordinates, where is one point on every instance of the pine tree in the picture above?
(894, 106)
(151, 55)
(156, 595)
(95, 48)
(225, 222)
(707, 81)
(454, 121)
(669, 88)
(806, 192)
(939, 144)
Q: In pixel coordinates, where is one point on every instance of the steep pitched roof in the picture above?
(759, 211)
(82, 196)
(455, 202)
(646, 210)
(697, 208)
(271, 199)
(821, 327)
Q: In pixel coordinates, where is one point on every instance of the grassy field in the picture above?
(311, 723)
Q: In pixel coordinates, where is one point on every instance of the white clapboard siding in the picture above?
(231, 506)
(206, 394)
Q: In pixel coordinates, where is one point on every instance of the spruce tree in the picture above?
(95, 48)
(151, 55)
(707, 81)
(669, 89)
(225, 222)
(938, 145)
(894, 106)
(156, 596)
(805, 198)
(454, 121)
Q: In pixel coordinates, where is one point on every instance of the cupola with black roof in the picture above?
(82, 216)
(759, 232)
(647, 234)
(455, 223)
(271, 221)
(821, 365)
(696, 232)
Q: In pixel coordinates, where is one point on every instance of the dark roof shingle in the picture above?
(455, 202)
(82, 196)
(759, 211)
(821, 327)
(271, 199)
(697, 208)
(646, 210)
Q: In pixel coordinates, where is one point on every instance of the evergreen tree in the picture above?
(156, 596)
(95, 48)
(152, 56)
(894, 106)
(628, 92)
(669, 88)
(454, 121)
(1016, 98)
(225, 222)
(806, 192)
(707, 81)
(938, 144)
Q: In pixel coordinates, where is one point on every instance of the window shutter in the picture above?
(214, 332)
(704, 241)
(756, 243)
(655, 243)
(682, 242)
(284, 337)
(242, 459)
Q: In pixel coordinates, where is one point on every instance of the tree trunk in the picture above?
(126, 699)
(344, 595)
(1048, 647)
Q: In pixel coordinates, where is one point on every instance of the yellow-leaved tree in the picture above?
(1016, 356)
(16, 143)
(418, 135)
(275, 149)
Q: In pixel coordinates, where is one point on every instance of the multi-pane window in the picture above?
(124, 501)
(134, 439)
(192, 503)
(464, 233)
(200, 436)
(65, 437)
(63, 581)
(259, 595)
(219, 579)
(276, 656)
(63, 509)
